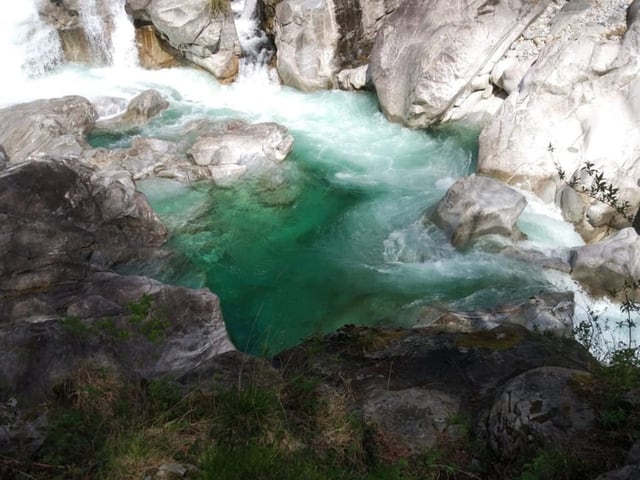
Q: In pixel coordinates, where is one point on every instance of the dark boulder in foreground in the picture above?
(61, 228)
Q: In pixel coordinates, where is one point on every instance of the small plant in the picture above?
(554, 465)
(219, 6)
(150, 322)
(74, 327)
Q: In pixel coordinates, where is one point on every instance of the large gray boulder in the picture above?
(46, 127)
(475, 206)
(72, 222)
(205, 36)
(60, 307)
(578, 103)
(316, 40)
(233, 149)
(428, 53)
(134, 325)
(539, 407)
(608, 264)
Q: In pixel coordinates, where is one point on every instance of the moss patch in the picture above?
(496, 339)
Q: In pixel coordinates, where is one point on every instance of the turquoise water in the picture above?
(341, 239)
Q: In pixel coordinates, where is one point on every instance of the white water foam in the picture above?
(29, 46)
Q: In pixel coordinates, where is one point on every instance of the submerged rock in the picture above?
(46, 127)
(428, 54)
(475, 206)
(544, 313)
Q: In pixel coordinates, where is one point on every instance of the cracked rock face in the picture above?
(316, 40)
(538, 405)
(428, 53)
(578, 103)
(205, 37)
(60, 306)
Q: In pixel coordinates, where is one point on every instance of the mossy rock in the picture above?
(496, 339)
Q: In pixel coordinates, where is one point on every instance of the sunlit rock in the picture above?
(204, 35)
(46, 127)
(476, 206)
(428, 53)
(578, 103)
(316, 40)
(607, 264)
(142, 108)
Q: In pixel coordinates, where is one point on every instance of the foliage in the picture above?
(219, 6)
(554, 464)
(592, 182)
(151, 323)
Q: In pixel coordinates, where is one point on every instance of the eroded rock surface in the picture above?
(205, 36)
(577, 104)
(476, 206)
(46, 127)
(317, 40)
(60, 306)
(428, 53)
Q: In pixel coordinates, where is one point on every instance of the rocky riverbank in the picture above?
(97, 365)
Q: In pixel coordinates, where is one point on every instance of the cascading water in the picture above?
(30, 47)
(256, 48)
(340, 240)
(109, 32)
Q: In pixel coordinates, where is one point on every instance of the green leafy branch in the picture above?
(599, 188)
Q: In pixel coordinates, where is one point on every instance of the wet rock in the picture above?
(475, 206)
(317, 40)
(538, 407)
(142, 108)
(353, 78)
(153, 51)
(545, 313)
(428, 53)
(203, 36)
(606, 265)
(46, 127)
(234, 149)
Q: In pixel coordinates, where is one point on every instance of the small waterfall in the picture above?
(30, 47)
(110, 32)
(256, 46)
(123, 37)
